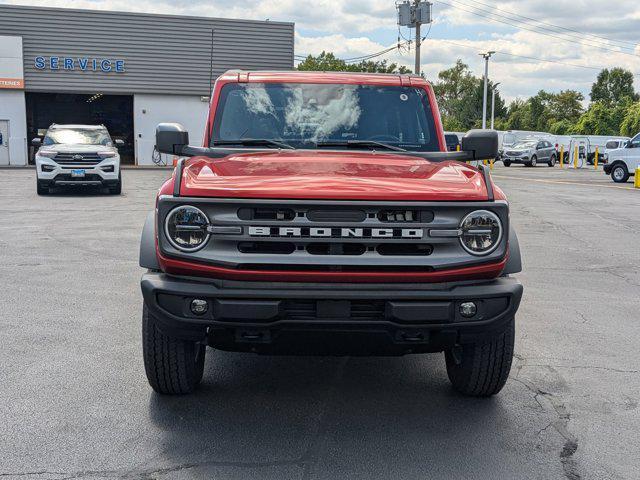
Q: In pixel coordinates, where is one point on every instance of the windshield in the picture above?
(77, 136)
(525, 144)
(509, 139)
(303, 115)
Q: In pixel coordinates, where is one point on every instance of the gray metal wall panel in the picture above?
(162, 53)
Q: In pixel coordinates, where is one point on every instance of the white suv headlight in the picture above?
(186, 228)
(481, 232)
(46, 153)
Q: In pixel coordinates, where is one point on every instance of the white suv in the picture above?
(622, 162)
(81, 155)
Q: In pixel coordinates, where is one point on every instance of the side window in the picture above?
(635, 142)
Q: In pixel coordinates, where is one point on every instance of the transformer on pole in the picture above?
(413, 14)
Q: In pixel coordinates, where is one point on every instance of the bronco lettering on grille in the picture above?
(320, 232)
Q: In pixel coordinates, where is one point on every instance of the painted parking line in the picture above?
(561, 182)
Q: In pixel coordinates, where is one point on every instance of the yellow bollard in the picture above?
(595, 163)
(636, 180)
(457, 147)
(491, 164)
(484, 162)
(561, 156)
(575, 157)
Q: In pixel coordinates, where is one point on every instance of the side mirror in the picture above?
(36, 142)
(483, 143)
(119, 142)
(171, 138)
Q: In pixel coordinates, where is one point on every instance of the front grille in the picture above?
(331, 236)
(356, 310)
(80, 159)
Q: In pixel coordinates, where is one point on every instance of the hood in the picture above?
(331, 175)
(78, 148)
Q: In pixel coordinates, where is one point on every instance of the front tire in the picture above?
(533, 162)
(117, 188)
(41, 189)
(552, 161)
(481, 369)
(507, 163)
(173, 366)
(619, 173)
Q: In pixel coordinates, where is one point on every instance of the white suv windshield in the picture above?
(304, 115)
(77, 136)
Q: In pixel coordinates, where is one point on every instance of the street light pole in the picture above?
(493, 103)
(486, 56)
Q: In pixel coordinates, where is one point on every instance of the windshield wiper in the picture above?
(359, 143)
(254, 142)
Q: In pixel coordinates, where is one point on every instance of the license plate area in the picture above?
(78, 173)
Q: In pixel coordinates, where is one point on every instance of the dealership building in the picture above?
(128, 71)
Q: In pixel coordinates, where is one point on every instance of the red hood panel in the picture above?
(331, 175)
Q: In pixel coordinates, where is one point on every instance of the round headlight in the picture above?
(186, 228)
(481, 232)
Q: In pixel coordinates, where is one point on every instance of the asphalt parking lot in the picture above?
(75, 402)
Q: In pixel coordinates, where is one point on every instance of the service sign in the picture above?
(11, 70)
(83, 64)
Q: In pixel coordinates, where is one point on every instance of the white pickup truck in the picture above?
(623, 162)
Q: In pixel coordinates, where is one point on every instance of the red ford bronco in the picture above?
(324, 215)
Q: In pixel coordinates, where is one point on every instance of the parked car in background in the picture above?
(530, 153)
(623, 162)
(452, 140)
(613, 144)
(77, 155)
(508, 139)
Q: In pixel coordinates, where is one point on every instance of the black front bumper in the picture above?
(293, 318)
(607, 168)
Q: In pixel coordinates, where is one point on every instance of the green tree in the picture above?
(328, 62)
(459, 94)
(562, 127)
(613, 87)
(566, 105)
(519, 115)
(598, 120)
(631, 122)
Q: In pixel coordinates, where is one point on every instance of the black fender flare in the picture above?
(148, 257)
(514, 263)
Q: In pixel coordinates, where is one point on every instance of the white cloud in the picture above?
(354, 28)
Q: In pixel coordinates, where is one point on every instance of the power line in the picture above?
(632, 44)
(522, 27)
(575, 65)
(365, 57)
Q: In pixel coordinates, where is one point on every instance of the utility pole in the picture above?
(486, 56)
(493, 103)
(413, 14)
(418, 42)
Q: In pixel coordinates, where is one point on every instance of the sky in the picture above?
(587, 35)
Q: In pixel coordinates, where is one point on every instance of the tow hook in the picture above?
(253, 336)
(456, 354)
(412, 337)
